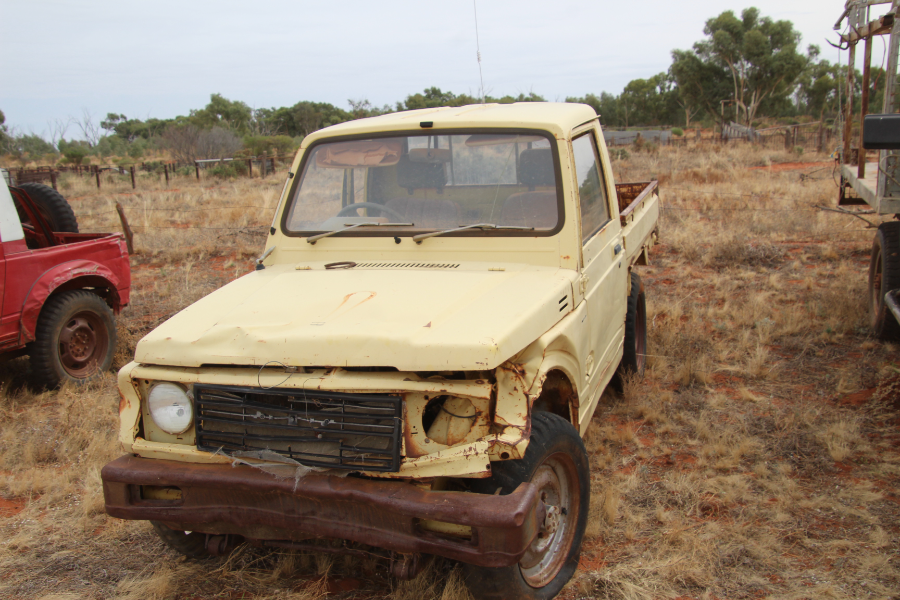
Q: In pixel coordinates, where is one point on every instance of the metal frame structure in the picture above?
(875, 184)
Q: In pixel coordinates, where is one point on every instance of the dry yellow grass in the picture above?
(758, 458)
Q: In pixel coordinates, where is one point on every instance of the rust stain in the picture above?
(347, 299)
(124, 403)
(429, 324)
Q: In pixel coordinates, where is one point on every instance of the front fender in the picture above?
(72, 275)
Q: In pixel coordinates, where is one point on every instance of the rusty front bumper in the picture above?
(221, 499)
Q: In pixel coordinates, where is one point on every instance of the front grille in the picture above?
(359, 432)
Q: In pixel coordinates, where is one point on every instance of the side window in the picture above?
(591, 187)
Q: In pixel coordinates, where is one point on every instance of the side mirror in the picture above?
(881, 132)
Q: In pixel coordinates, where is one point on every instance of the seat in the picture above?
(530, 209)
(438, 214)
(535, 168)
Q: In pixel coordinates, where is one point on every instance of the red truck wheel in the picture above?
(75, 338)
(53, 206)
(555, 461)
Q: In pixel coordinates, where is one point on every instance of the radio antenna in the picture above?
(478, 48)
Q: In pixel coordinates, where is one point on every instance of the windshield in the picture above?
(418, 183)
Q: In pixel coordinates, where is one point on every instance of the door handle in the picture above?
(617, 249)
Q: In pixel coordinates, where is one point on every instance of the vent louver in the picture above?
(405, 265)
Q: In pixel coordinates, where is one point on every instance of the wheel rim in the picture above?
(555, 479)
(83, 342)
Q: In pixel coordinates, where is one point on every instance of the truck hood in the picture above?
(414, 320)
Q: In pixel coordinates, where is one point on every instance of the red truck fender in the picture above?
(74, 274)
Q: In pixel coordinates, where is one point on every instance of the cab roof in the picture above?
(559, 118)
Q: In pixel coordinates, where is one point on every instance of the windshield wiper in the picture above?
(418, 238)
(315, 238)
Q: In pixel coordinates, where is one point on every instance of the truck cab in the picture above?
(443, 297)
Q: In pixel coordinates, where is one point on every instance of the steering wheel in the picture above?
(350, 209)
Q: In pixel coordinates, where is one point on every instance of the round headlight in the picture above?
(170, 408)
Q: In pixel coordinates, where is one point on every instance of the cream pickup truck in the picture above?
(444, 295)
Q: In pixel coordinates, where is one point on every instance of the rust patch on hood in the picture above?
(351, 307)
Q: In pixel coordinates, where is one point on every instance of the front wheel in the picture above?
(75, 338)
(556, 462)
(192, 545)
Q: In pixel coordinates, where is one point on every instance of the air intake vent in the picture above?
(402, 265)
(563, 304)
(358, 432)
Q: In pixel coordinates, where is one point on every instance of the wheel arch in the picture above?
(558, 395)
(72, 275)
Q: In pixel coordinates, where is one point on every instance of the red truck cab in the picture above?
(59, 289)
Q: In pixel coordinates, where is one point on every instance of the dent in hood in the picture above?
(415, 320)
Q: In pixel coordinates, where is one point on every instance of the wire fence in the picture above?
(252, 166)
(810, 137)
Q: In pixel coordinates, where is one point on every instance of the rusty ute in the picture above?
(444, 295)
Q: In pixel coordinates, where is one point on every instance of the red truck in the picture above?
(59, 289)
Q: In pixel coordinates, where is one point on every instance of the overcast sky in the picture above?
(163, 58)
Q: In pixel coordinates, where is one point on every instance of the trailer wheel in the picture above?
(53, 207)
(884, 276)
(192, 545)
(75, 338)
(555, 461)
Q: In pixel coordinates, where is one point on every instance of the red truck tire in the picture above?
(53, 206)
(75, 339)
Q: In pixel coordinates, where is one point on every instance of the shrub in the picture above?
(798, 150)
(229, 170)
(619, 154)
(136, 150)
(677, 131)
(75, 154)
(256, 145)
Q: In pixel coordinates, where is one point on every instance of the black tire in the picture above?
(75, 339)
(53, 207)
(884, 276)
(192, 545)
(555, 459)
(634, 353)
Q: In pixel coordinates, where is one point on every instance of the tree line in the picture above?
(747, 68)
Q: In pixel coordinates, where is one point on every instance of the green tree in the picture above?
(759, 53)
(132, 129)
(360, 109)
(3, 133)
(302, 118)
(701, 84)
(606, 105)
(29, 145)
(221, 112)
(648, 101)
(433, 97)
